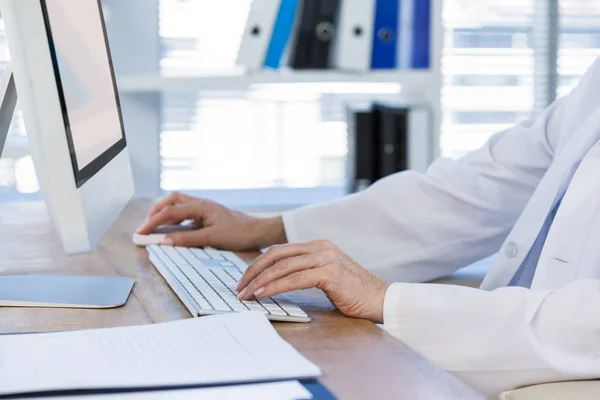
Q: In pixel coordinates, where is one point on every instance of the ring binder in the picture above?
(257, 34)
(316, 33)
(387, 14)
(281, 33)
(354, 41)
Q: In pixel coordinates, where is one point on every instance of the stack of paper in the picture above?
(291, 390)
(230, 348)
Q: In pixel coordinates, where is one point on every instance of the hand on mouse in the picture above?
(217, 225)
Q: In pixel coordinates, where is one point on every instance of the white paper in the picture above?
(226, 348)
(291, 390)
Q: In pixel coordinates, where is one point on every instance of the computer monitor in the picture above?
(61, 71)
(66, 86)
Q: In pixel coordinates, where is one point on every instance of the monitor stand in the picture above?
(53, 291)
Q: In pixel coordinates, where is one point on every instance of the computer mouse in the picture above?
(159, 234)
(147, 240)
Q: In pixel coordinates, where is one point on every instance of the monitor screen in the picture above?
(86, 83)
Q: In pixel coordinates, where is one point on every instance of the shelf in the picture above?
(153, 83)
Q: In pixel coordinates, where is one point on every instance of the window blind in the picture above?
(579, 41)
(489, 68)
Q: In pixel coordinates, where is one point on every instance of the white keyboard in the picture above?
(205, 280)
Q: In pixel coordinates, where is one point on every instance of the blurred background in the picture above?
(196, 123)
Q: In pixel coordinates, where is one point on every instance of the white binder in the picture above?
(355, 35)
(257, 34)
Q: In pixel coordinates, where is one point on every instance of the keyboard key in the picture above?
(233, 257)
(275, 310)
(238, 307)
(214, 254)
(212, 280)
(271, 306)
(217, 302)
(255, 306)
(242, 265)
(290, 307)
(199, 253)
(266, 301)
(194, 261)
(217, 263)
(174, 255)
(224, 277)
(236, 275)
(226, 264)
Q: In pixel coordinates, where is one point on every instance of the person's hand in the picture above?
(352, 289)
(217, 225)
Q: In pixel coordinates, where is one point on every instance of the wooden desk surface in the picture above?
(358, 359)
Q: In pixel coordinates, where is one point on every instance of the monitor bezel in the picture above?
(87, 172)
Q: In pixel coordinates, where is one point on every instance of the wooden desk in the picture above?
(358, 359)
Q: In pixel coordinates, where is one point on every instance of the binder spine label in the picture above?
(406, 39)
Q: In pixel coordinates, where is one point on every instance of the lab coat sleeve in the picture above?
(415, 227)
(503, 339)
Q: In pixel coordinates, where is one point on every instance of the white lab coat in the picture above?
(414, 227)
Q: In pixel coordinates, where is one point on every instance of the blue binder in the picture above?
(281, 33)
(421, 48)
(318, 391)
(385, 34)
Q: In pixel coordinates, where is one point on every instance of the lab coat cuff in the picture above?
(289, 225)
(398, 308)
(391, 305)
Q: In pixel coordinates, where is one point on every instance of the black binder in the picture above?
(315, 34)
(363, 145)
(393, 147)
(378, 140)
